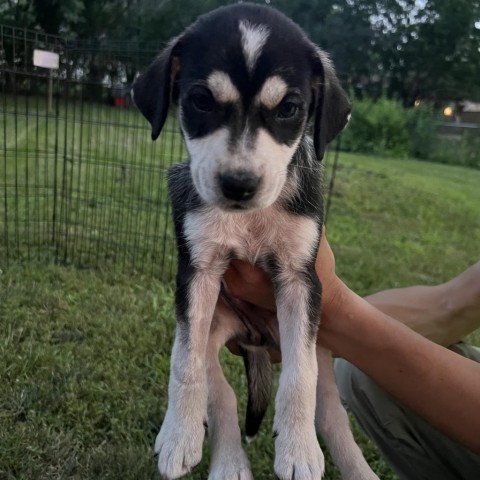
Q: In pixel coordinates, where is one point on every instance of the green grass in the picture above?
(84, 354)
(84, 362)
(402, 222)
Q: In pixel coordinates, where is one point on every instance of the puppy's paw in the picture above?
(235, 467)
(298, 456)
(179, 446)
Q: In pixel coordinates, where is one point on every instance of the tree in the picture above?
(407, 49)
(439, 56)
(403, 48)
(19, 13)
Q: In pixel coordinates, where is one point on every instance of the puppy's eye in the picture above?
(203, 100)
(287, 109)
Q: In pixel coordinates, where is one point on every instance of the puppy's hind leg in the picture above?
(332, 424)
(229, 461)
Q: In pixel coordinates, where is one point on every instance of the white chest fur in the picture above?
(213, 234)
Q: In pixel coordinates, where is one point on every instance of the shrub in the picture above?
(464, 151)
(378, 127)
(422, 133)
(384, 127)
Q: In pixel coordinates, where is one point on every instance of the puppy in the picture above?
(258, 103)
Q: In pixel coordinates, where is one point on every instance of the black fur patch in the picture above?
(287, 53)
(259, 376)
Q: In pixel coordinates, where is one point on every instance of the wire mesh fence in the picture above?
(81, 180)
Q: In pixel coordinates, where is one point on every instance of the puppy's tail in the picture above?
(259, 376)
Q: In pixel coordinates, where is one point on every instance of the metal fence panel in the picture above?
(80, 180)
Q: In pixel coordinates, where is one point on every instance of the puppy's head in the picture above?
(248, 83)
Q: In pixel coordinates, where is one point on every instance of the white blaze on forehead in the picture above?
(254, 38)
(272, 92)
(222, 87)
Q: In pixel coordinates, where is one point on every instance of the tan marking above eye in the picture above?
(222, 87)
(272, 93)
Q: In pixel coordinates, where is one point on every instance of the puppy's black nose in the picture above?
(239, 185)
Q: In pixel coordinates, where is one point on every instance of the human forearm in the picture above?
(425, 377)
(419, 308)
(443, 313)
(439, 385)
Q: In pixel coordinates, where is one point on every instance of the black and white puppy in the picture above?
(258, 104)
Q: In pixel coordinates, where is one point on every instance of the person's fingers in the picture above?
(250, 283)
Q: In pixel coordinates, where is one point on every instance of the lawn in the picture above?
(401, 222)
(84, 354)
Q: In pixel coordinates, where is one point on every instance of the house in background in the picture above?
(469, 112)
(463, 111)
(460, 117)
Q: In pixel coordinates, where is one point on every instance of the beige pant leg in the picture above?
(412, 447)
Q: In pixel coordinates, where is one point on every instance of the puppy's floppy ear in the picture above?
(332, 109)
(153, 89)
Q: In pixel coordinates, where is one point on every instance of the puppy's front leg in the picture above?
(298, 455)
(179, 443)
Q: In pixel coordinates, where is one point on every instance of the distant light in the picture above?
(417, 103)
(448, 111)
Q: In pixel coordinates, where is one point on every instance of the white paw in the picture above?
(298, 456)
(230, 467)
(179, 446)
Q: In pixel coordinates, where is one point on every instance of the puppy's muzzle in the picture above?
(239, 185)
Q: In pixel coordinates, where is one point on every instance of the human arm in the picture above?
(425, 377)
(436, 383)
(442, 313)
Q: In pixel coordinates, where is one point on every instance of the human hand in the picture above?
(332, 286)
(252, 284)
